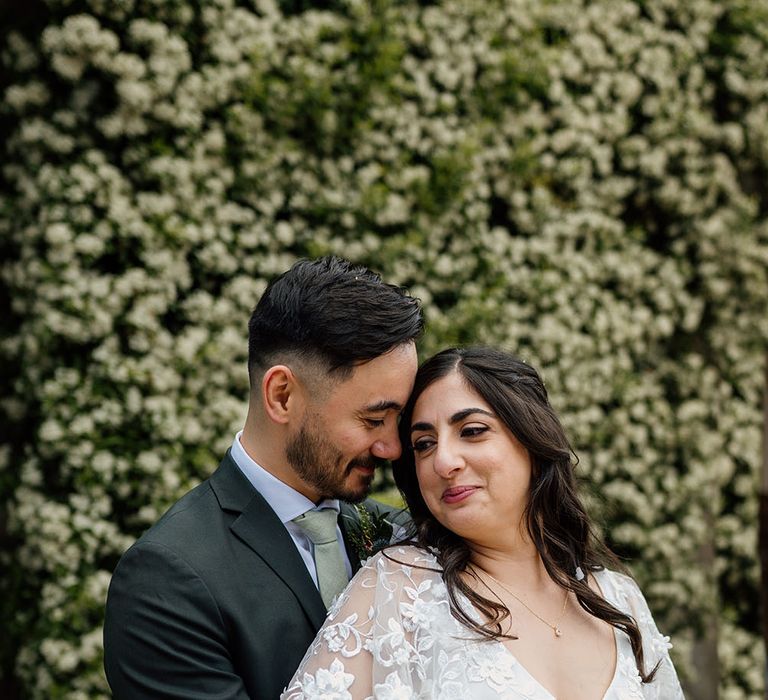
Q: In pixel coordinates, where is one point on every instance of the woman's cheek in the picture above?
(426, 494)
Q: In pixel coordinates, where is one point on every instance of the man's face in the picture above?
(352, 430)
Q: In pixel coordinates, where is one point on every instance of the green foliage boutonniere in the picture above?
(369, 533)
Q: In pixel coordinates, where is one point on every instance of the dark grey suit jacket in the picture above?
(213, 601)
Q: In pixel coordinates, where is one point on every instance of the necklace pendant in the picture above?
(558, 633)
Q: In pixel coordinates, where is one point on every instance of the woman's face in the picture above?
(473, 474)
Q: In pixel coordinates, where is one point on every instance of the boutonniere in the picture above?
(369, 533)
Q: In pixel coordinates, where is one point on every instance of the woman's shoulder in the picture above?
(624, 592)
(404, 560)
(398, 564)
(392, 573)
(620, 583)
(406, 554)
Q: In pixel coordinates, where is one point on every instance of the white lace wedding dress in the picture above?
(391, 636)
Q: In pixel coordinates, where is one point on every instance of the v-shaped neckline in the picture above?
(536, 681)
(544, 688)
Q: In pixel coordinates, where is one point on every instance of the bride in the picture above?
(503, 591)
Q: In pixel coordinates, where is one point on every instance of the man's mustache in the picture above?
(369, 462)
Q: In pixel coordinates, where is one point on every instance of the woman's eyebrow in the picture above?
(455, 418)
(461, 415)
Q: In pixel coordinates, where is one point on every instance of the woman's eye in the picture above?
(473, 430)
(423, 445)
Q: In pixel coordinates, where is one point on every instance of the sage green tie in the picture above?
(320, 526)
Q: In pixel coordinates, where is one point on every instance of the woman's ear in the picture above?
(280, 394)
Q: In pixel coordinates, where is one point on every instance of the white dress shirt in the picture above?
(287, 504)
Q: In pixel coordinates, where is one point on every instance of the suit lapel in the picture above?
(348, 518)
(259, 528)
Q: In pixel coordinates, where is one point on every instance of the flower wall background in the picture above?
(583, 183)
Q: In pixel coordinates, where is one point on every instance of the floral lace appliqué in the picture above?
(328, 684)
(391, 636)
(393, 688)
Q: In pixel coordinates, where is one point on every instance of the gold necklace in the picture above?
(554, 627)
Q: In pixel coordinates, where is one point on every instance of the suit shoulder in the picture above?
(199, 498)
(191, 519)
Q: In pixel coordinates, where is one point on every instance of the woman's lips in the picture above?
(456, 494)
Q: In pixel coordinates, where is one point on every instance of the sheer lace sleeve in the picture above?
(376, 638)
(665, 685)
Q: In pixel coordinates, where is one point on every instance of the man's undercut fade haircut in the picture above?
(329, 311)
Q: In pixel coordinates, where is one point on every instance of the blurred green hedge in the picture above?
(580, 182)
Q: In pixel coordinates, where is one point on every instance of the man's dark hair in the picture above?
(330, 311)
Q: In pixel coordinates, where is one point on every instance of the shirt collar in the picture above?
(284, 500)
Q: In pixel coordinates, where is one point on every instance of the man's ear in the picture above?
(281, 394)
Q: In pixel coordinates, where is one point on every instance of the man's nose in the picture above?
(388, 447)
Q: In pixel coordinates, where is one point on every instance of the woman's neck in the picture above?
(517, 561)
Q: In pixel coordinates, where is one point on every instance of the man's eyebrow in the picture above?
(455, 418)
(383, 406)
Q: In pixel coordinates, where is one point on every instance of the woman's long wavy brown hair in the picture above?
(555, 518)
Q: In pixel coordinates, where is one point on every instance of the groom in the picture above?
(223, 595)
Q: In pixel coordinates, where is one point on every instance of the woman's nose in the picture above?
(447, 459)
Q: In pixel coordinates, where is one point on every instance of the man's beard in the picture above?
(320, 464)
